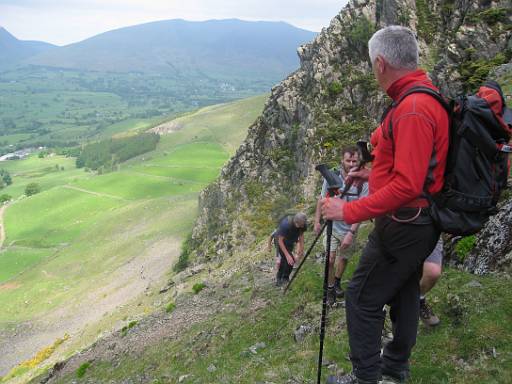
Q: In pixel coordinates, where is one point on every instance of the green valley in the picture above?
(61, 108)
(89, 249)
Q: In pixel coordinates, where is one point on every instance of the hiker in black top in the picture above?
(290, 231)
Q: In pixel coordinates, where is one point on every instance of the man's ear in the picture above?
(380, 64)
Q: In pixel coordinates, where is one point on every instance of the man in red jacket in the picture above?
(410, 149)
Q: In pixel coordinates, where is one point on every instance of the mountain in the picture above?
(12, 50)
(211, 48)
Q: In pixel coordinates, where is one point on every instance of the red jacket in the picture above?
(420, 135)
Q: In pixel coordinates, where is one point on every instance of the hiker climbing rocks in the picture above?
(290, 232)
(343, 234)
(406, 163)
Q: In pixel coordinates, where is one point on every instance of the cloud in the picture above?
(65, 22)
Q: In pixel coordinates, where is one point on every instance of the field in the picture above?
(90, 247)
(54, 107)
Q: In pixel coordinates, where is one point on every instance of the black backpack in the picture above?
(477, 165)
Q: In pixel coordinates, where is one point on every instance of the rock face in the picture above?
(331, 100)
(493, 248)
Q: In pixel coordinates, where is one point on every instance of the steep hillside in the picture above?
(215, 48)
(89, 250)
(13, 51)
(230, 324)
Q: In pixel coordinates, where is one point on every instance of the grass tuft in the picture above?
(198, 287)
(80, 372)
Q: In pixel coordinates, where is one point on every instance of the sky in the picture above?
(63, 22)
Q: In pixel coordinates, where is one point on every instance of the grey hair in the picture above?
(300, 219)
(397, 45)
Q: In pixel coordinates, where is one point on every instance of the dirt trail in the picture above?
(2, 227)
(94, 193)
(121, 287)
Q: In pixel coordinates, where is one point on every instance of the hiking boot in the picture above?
(427, 316)
(339, 292)
(347, 379)
(387, 379)
(331, 296)
(394, 377)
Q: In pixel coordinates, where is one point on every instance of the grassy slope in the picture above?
(473, 344)
(69, 238)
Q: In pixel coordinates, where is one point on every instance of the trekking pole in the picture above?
(334, 183)
(304, 259)
(324, 300)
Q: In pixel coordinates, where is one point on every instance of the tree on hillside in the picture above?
(80, 162)
(4, 198)
(104, 156)
(5, 178)
(32, 189)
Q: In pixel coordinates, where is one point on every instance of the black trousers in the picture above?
(285, 269)
(389, 272)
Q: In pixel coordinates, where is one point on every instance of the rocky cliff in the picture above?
(333, 99)
(493, 247)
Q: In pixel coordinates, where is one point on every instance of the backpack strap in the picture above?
(419, 89)
(428, 91)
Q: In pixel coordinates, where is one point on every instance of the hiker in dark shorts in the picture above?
(290, 232)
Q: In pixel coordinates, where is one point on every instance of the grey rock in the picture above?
(301, 333)
(474, 284)
(256, 347)
(493, 248)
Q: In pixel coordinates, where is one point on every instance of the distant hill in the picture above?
(12, 50)
(215, 48)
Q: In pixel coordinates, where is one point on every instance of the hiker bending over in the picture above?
(290, 232)
(343, 234)
(410, 150)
